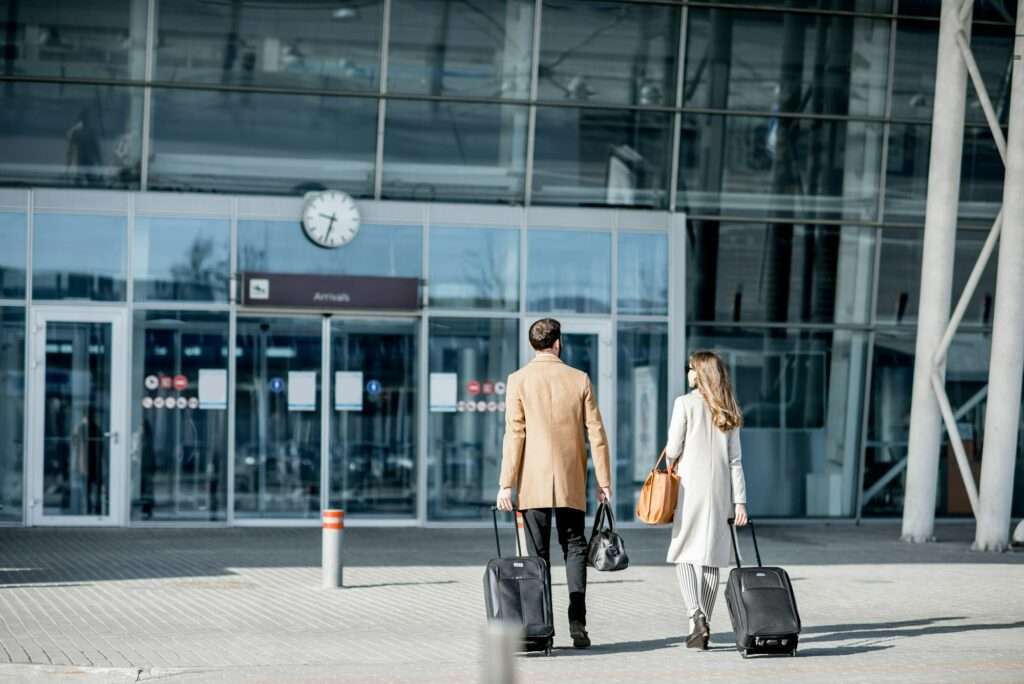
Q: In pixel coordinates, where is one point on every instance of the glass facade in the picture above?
(746, 176)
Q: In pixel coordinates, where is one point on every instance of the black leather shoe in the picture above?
(578, 632)
(698, 638)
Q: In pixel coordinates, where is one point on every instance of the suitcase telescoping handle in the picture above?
(735, 548)
(497, 539)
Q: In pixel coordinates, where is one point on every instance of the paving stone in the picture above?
(245, 605)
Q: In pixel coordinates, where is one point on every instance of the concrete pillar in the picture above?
(1007, 363)
(936, 275)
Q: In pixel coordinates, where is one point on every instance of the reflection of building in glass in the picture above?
(660, 176)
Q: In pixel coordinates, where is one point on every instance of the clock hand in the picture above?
(330, 226)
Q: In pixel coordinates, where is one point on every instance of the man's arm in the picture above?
(597, 437)
(514, 441)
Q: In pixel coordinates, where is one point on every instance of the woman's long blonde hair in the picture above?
(716, 388)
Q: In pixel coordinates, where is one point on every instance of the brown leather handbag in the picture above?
(658, 495)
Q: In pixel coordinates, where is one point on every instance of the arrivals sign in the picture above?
(329, 293)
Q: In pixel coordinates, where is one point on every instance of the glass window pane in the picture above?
(917, 45)
(474, 268)
(889, 420)
(277, 430)
(461, 152)
(642, 408)
(608, 52)
(70, 135)
(78, 257)
(179, 464)
(76, 458)
(906, 177)
(257, 142)
(181, 259)
(374, 433)
(465, 445)
(780, 272)
(321, 46)
(12, 257)
(602, 157)
(868, 6)
(806, 63)
(643, 273)
(568, 271)
(437, 47)
(281, 247)
(802, 395)
(899, 276)
(12, 411)
(74, 38)
(740, 165)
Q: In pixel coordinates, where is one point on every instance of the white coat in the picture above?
(710, 483)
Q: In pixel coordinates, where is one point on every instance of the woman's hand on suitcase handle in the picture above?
(604, 494)
(504, 501)
(741, 515)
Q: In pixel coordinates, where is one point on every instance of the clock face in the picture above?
(330, 218)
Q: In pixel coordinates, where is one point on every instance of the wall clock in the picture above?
(330, 218)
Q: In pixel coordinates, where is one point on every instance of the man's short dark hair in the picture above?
(544, 333)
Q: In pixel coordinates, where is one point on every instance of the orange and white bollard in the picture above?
(521, 548)
(333, 529)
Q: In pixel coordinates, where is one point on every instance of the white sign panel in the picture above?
(302, 390)
(348, 391)
(213, 388)
(444, 389)
(645, 420)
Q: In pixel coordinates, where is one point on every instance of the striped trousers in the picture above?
(699, 584)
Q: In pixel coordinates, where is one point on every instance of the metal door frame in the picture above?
(119, 414)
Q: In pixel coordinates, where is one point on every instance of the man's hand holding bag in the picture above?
(658, 495)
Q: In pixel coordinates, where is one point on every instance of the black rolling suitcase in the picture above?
(762, 606)
(518, 590)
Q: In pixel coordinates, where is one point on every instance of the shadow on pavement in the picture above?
(34, 556)
(887, 630)
(396, 584)
(835, 651)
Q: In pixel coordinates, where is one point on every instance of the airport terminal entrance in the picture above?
(325, 415)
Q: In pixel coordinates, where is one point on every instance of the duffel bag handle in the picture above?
(735, 546)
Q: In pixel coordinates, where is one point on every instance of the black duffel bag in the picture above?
(606, 551)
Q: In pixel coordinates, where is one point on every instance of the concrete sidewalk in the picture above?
(244, 605)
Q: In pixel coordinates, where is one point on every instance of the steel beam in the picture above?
(1006, 367)
(936, 278)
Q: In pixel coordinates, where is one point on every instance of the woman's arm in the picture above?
(739, 484)
(676, 431)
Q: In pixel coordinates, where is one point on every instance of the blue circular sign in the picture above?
(276, 385)
(373, 388)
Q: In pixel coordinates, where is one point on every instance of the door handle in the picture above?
(113, 435)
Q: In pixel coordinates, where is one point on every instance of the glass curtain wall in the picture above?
(774, 110)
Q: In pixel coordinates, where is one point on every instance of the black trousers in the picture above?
(573, 539)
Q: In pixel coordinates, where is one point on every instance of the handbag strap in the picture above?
(603, 511)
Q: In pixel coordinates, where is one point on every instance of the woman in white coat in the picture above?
(704, 433)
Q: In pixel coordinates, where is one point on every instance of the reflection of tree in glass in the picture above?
(202, 274)
(488, 275)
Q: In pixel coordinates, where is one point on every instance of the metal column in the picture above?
(1007, 360)
(936, 273)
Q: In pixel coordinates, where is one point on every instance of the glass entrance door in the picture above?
(78, 419)
(373, 433)
(587, 346)
(326, 413)
(277, 417)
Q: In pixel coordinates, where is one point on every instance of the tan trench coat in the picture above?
(548, 407)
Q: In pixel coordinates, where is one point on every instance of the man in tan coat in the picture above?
(549, 405)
